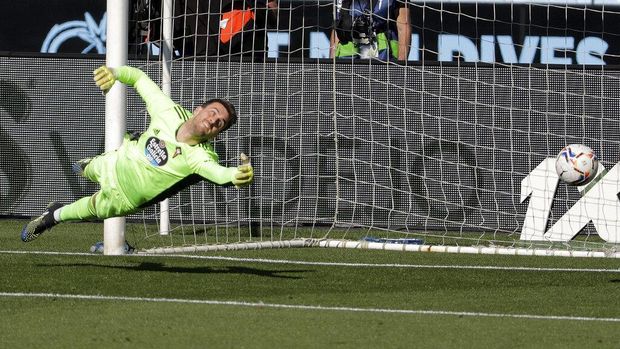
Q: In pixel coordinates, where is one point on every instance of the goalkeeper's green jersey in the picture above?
(156, 165)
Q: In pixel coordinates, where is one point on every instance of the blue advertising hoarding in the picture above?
(511, 32)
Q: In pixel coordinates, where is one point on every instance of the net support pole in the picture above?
(166, 86)
(115, 110)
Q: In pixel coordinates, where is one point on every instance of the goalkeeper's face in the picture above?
(210, 120)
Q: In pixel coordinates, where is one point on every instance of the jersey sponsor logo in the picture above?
(155, 151)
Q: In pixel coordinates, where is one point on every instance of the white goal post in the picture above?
(450, 151)
(115, 110)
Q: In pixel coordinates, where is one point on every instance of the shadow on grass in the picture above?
(159, 267)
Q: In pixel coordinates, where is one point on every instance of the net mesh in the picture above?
(355, 148)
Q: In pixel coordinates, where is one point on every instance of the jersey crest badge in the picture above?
(177, 151)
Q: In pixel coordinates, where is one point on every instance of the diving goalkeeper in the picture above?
(174, 152)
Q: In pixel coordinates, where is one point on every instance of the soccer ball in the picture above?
(576, 164)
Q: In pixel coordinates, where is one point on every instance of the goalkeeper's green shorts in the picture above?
(110, 201)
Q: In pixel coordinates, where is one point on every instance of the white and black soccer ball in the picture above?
(576, 164)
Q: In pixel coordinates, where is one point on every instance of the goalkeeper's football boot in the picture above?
(40, 224)
(79, 166)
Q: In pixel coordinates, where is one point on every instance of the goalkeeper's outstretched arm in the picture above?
(239, 176)
(151, 94)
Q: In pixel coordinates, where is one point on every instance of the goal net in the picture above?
(450, 150)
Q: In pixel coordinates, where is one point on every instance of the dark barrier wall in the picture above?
(568, 33)
(433, 146)
(63, 26)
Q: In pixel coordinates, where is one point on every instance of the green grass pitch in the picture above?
(328, 298)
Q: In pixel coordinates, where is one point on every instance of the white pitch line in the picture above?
(388, 265)
(331, 264)
(304, 307)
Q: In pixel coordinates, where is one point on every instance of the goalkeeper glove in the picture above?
(104, 78)
(243, 176)
(245, 172)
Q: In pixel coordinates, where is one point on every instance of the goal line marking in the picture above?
(303, 307)
(397, 265)
(332, 264)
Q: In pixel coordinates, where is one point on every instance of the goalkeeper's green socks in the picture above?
(79, 210)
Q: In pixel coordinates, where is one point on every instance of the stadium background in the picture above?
(25, 25)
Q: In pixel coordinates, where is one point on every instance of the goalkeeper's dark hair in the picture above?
(230, 108)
